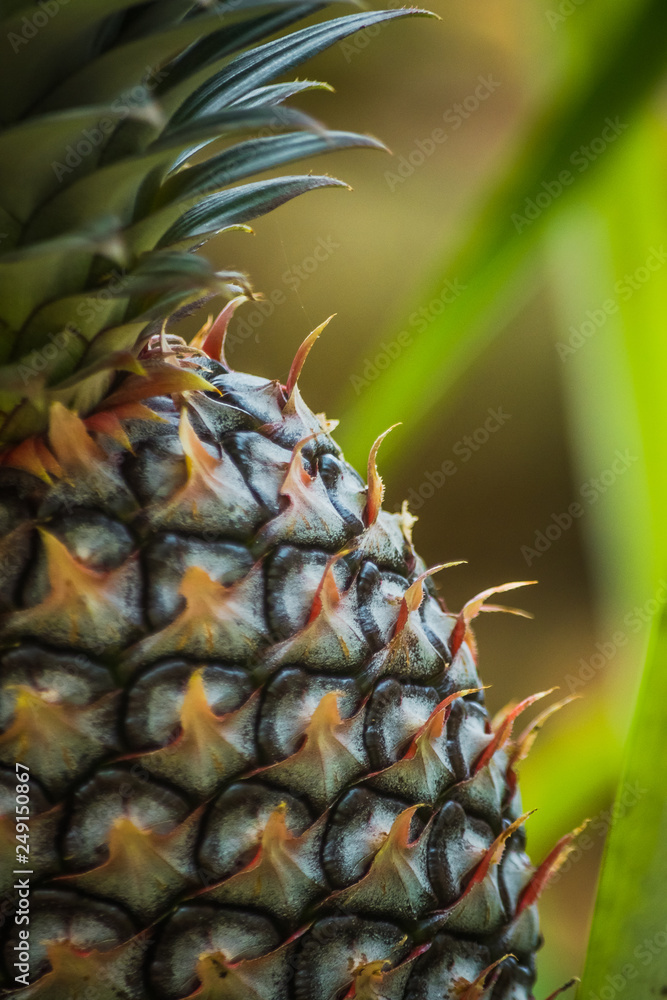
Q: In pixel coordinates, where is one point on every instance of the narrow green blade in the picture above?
(241, 205)
(265, 62)
(628, 945)
(254, 157)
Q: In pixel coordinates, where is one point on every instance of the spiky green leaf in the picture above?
(240, 205)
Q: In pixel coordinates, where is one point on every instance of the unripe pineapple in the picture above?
(253, 740)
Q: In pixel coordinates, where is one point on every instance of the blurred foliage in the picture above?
(628, 945)
(593, 114)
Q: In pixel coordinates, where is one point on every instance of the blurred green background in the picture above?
(486, 279)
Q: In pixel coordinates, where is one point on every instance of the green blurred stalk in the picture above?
(628, 945)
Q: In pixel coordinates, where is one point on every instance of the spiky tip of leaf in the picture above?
(211, 338)
(375, 484)
(548, 869)
(302, 354)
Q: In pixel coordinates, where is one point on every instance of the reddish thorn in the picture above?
(561, 989)
(472, 607)
(483, 983)
(213, 343)
(302, 354)
(414, 595)
(444, 710)
(326, 585)
(524, 742)
(547, 870)
(504, 730)
(375, 485)
(494, 853)
(458, 635)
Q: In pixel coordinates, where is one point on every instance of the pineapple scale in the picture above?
(252, 730)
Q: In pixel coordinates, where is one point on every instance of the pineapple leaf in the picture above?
(253, 157)
(240, 205)
(156, 15)
(102, 236)
(86, 12)
(22, 190)
(272, 100)
(117, 184)
(97, 308)
(194, 65)
(174, 271)
(59, 47)
(230, 120)
(268, 96)
(141, 62)
(56, 267)
(117, 96)
(276, 93)
(264, 96)
(174, 81)
(263, 63)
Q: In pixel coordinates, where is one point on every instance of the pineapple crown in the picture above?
(125, 127)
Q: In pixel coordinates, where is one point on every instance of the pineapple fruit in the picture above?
(252, 738)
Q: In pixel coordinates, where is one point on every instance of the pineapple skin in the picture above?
(252, 774)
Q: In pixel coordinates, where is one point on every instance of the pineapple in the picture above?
(251, 738)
